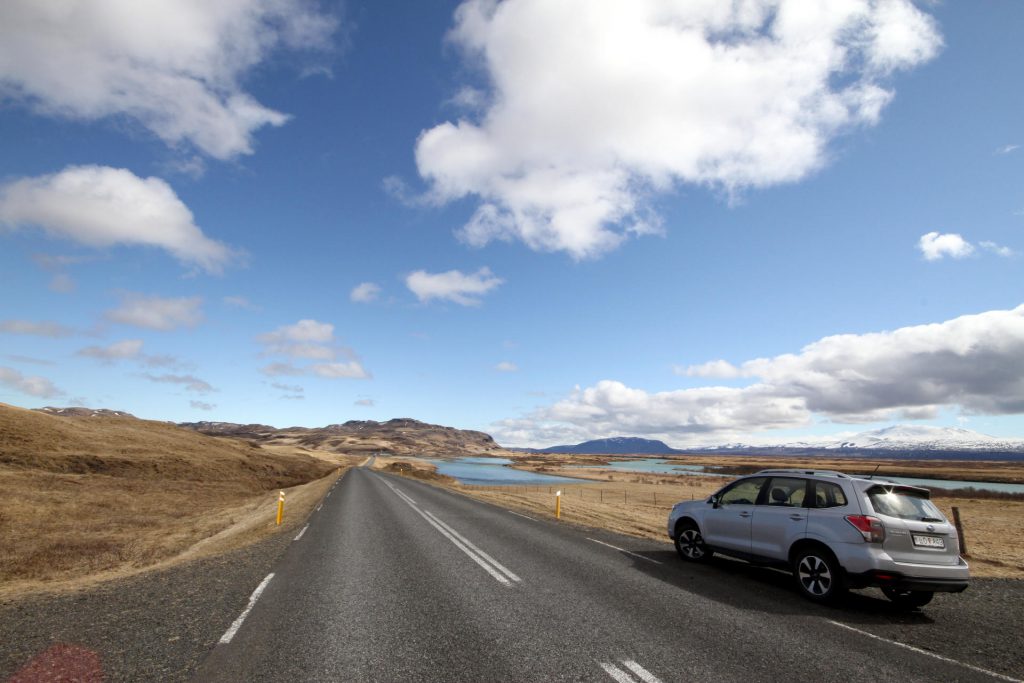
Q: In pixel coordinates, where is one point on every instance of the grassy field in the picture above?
(89, 499)
(638, 505)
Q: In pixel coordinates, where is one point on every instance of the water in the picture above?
(662, 466)
(655, 466)
(492, 472)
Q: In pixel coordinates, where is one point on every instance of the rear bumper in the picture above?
(885, 579)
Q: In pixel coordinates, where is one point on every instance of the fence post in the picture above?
(960, 531)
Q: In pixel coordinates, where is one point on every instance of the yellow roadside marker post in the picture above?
(280, 507)
(558, 504)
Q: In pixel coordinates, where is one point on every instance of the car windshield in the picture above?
(904, 503)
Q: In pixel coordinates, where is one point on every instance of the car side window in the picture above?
(828, 495)
(743, 492)
(786, 492)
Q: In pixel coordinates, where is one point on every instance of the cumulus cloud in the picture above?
(310, 340)
(201, 405)
(997, 249)
(364, 293)
(190, 382)
(101, 206)
(39, 387)
(715, 368)
(971, 364)
(935, 246)
(453, 285)
(506, 366)
(593, 108)
(174, 67)
(43, 328)
(122, 350)
(157, 313)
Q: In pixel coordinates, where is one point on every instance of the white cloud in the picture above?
(39, 387)
(1007, 149)
(715, 368)
(453, 285)
(351, 370)
(365, 403)
(997, 249)
(240, 302)
(174, 66)
(190, 382)
(935, 246)
(593, 107)
(201, 405)
(310, 340)
(290, 388)
(365, 292)
(971, 364)
(157, 313)
(101, 207)
(42, 328)
(128, 349)
(506, 366)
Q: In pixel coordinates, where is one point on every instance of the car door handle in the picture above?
(744, 514)
(796, 518)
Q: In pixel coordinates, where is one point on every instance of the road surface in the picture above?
(396, 580)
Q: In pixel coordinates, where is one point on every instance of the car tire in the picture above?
(908, 599)
(819, 577)
(690, 544)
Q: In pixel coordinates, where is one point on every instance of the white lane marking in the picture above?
(926, 652)
(301, 532)
(644, 675)
(522, 515)
(623, 550)
(457, 543)
(500, 567)
(329, 493)
(230, 633)
(617, 673)
(319, 506)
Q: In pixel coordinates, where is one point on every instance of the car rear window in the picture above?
(903, 503)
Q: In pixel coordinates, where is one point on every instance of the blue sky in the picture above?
(570, 219)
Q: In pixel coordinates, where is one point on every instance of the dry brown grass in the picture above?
(87, 499)
(638, 505)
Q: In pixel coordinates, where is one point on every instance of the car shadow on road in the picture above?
(750, 587)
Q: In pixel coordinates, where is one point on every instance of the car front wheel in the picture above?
(818, 575)
(690, 544)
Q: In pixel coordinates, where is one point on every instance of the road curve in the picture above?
(396, 580)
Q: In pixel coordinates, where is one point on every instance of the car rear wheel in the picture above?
(818, 575)
(910, 599)
(690, 544)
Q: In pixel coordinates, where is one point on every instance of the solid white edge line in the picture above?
(617, 673)
(519, 514)
(918, 650)
(623, 550)
(502, 568)
(645, 675)
(230, 633)
(300, 533)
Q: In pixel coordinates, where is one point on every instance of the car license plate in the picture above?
(929, 541)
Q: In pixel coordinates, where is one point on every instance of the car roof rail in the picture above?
(828, 473)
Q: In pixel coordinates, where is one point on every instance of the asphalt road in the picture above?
(396, 580)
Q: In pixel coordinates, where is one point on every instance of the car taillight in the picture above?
(870, 528)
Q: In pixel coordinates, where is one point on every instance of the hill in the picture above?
(617, 445)
(90, 492)
(397, 437)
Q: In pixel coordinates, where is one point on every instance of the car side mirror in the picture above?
(714, 502)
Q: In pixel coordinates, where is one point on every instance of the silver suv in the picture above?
(833, 531)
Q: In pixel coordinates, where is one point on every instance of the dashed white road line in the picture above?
(498, 571)
(301, 532)
(319, 506)
(623, 550)
(918, 650)
(621, 676)
(518, 514)
(230, 633)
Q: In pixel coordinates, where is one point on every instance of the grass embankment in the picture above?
(89, 499)
(638, 505)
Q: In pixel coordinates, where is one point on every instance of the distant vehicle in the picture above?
(833, 531)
